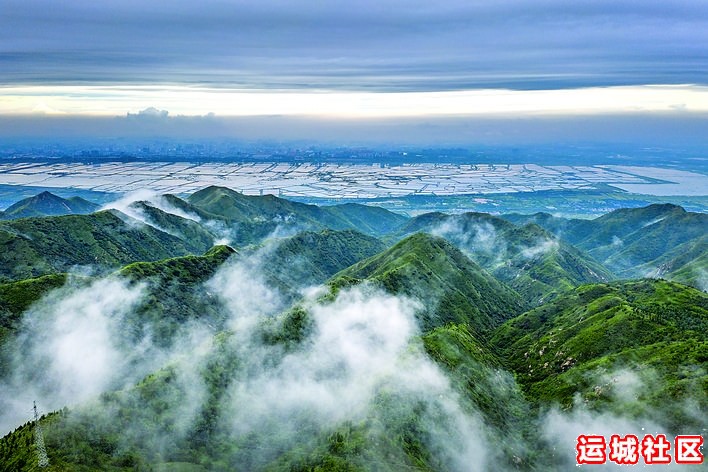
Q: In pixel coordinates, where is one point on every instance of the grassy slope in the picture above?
(558, 349)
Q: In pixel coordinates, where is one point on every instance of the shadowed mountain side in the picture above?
(453, 288)
(368, 219)
(48, 204)
(602, 230)
(476, 369)
(176, 294)
(310, 258)
(621, 223)
(652, 241)
(686, 263)
(541, 266)
(199, 237)
(464, 224)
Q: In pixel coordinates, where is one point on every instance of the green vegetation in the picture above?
(15, 299)
(557, 349)
(310, 258)
(515, 318)
(32, 247)
(660, 240)
(262, 214)
(48, 204)
(192, 233)
(532, 261)
(175, 294)
(456, 290)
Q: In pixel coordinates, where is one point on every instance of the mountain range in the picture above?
(256, 333)
(660, 240)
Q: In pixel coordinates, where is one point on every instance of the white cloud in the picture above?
(67, 349)
(192, 101)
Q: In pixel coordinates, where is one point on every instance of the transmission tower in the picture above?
(42, 459)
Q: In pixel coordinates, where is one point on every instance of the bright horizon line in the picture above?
(180, 100)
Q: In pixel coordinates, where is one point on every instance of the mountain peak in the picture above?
(47, 194)
(430, 268)
(49, 204)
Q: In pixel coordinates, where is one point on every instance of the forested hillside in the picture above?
(232, 332)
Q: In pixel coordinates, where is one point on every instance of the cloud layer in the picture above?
(370, 45)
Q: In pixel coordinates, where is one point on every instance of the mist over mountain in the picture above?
(233, 332)
(531, 260)
(654, 241)
(310, 236)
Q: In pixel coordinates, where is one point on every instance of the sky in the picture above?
(399, 61)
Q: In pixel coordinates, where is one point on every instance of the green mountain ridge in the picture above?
(532, 261)
(514, 320)
(197, 236)
(48, 204)
(430, 268)
(271, 211)
(106, 239)
(636, 242)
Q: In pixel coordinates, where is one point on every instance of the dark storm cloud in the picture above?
(369, 44)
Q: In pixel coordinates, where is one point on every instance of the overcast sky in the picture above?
(297, 57)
